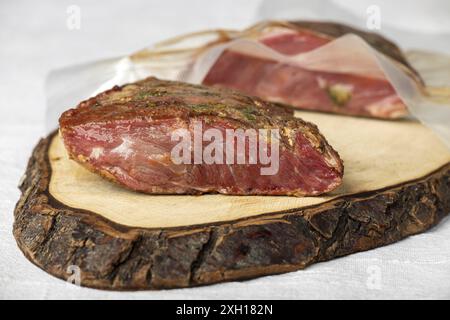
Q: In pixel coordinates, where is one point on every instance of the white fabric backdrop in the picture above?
(35, 39)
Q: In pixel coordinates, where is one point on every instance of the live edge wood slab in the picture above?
(397, 183)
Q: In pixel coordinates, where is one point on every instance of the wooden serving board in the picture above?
(396, 183)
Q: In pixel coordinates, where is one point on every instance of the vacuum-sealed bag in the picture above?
(307, 65)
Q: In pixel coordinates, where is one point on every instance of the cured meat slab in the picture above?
(328, 91)
(126, 135)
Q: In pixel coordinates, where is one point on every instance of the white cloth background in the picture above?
(35, 39)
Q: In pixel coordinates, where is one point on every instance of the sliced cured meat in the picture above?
(312, 90)
(126, 134)
(309, 89)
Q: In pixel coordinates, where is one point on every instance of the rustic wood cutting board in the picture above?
(396, 183)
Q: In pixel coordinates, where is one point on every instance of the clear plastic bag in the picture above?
(190, 57)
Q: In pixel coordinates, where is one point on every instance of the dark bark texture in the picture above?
(116, 257)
